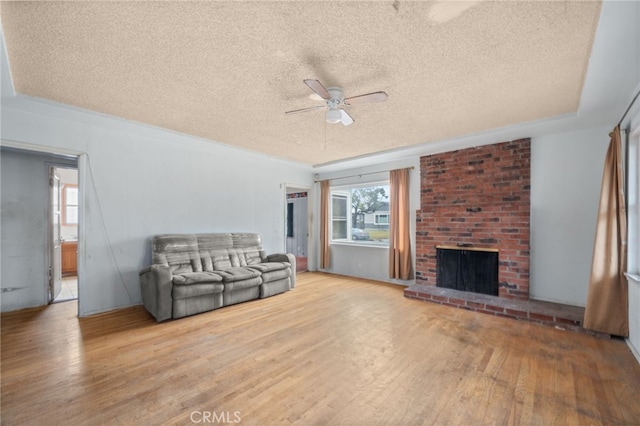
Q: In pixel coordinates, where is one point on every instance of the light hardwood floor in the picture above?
(333, 351)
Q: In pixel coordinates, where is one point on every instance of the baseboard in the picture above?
(634, 351)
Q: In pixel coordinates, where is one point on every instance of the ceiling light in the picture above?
(333, 116)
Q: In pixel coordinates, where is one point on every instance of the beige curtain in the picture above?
(325, 197)
(606, 309)
(399, 236)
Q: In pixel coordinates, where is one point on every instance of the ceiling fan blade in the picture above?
(295, 111)
(346, 119)
(366, 99)
(318, 88)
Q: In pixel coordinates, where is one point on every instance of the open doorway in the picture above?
(297, 224)
(26, 218)
(63, 284)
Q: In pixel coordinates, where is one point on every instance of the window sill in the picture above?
(633, 277)
(358, 244)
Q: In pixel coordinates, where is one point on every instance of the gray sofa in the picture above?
(194, 273)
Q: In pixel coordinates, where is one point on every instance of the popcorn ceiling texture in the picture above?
(227, 71)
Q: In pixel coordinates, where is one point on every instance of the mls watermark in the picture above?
(219, 417)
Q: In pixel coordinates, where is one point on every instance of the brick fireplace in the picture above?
(477, 198)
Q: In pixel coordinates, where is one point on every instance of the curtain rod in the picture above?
(629, 108)
(360, 174)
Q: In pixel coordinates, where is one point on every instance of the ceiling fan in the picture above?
(334, 99)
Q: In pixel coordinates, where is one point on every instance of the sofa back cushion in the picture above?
(246, 240)
(221, 259)
(178, 251)
(185, 253)
(207, 242)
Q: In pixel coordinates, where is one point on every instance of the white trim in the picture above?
(82, 247)
(46, 149)
(633, 350)
(635, 131)
(359, 244)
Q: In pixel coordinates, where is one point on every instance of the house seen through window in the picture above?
(360, 214)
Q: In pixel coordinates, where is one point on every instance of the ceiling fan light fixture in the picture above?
(333, 98)
(333, 116)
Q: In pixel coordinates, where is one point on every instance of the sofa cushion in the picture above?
(252, 256)
(178, 251)
(245, 239)
(270, 266)
(276, 275)
(217, 260)
(238, 274)
(207, 242)
(193, 290)
(221, 259)
(196, 277)
(243, 284)
(275, 287)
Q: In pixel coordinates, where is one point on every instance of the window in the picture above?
(70, 205)
(360, 214)
(381, 219)
(339, 216)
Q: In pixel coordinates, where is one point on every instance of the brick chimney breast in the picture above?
(480, 198)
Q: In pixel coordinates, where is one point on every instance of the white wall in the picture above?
(137, 181)
(566, 175)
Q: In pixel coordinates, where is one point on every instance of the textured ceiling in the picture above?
(227, 71)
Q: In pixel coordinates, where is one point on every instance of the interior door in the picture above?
(55, 218)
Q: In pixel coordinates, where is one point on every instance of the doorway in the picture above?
(297, 224)
(28, 253)
(63, 285)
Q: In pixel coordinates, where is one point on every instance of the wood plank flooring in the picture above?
(334, 351)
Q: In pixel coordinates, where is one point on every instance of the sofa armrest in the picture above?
(285, 257)
(156, 287)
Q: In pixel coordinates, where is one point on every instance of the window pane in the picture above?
(382, 219)
(71, 214)
(339, 230)
(338, 217)
(339, 208)
(72, 196)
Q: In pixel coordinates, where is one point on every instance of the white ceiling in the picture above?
(227, 71)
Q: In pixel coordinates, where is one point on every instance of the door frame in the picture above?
(309, 190)
(54, 261)
(81, 159)
(58, 166)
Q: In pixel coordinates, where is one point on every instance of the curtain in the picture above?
(399, 232)
(325, 196)
(607, 301)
